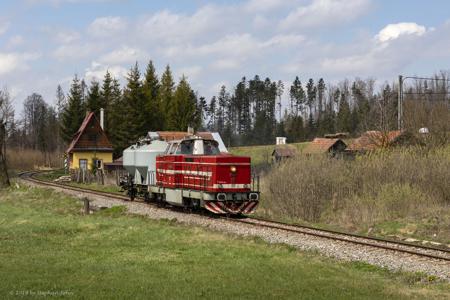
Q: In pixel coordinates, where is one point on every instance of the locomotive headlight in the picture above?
(233, 169)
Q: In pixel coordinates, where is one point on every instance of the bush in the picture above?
(385, 185)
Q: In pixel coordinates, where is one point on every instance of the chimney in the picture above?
(102, 118)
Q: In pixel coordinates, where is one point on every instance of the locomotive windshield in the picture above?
(186, 148)
(194, 147)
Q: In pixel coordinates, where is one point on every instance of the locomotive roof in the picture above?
(192, 138)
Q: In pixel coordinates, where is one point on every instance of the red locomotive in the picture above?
(193, 173)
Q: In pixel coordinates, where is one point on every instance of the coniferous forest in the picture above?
(252, 112)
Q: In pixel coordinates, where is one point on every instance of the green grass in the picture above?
(48, 246)
(98, 187)
(52, 175)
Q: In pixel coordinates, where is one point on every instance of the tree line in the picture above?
(249, 113)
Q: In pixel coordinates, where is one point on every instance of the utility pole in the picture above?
(400, 102)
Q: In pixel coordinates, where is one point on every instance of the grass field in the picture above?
(262, 155)
(52, 175)
(47, 247)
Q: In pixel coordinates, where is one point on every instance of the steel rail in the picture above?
(350, 238)
(373, 238)
(299, 229)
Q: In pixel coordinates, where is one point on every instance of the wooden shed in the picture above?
(90, 147)
(283, 152)
(331, 147)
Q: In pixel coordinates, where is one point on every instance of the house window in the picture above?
(98, 163)
(83, 164)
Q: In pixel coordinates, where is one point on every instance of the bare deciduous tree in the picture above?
(6, 117)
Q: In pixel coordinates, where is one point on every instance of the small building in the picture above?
(280, 140)
(372, 140)
(90, 148)
(331, 147)
(284, 152)
(115, 165)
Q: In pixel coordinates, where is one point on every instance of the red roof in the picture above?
(321, 145)
(372, 140)
(90, 138)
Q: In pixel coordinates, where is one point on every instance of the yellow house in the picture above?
(90, 147)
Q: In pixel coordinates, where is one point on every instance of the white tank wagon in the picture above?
(140, 160)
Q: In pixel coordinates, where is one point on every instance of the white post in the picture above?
(102, 118)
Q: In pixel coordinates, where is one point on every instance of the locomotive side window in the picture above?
(171, 148)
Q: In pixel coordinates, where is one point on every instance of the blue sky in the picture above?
(43, 43)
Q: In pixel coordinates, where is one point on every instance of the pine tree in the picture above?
(311, 92)
(212, 114)
(320, 103)
(182, 111)
(202, 111)
(93, 100)
(165, 95)
(118, 133)
(297, 97)
(153, 115)
(344, 115)
(74, 112)
(134, 104)
(107, 99)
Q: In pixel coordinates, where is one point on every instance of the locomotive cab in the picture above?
(195, 146)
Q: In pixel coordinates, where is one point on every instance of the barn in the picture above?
(90, 148)
(331, 147)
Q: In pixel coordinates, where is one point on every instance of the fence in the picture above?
(101, 177)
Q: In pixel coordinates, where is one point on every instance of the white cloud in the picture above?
(394, 31)
(226, 64)
(266, 5)
(67, 36)
(107, 26)
(169, 27)
(123, 55)
(325, 12)
(191, 72)
(98, 70)
(10, 62)
(76, 51)
(4, 26)
(15, 41)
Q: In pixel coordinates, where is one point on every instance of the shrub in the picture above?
(399, 183)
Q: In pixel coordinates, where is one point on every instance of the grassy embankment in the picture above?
(262, 155)
(404, 192)
(49, 247)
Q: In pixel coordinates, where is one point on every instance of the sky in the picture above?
(44, 43)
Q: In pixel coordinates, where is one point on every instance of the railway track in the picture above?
(438, 254)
